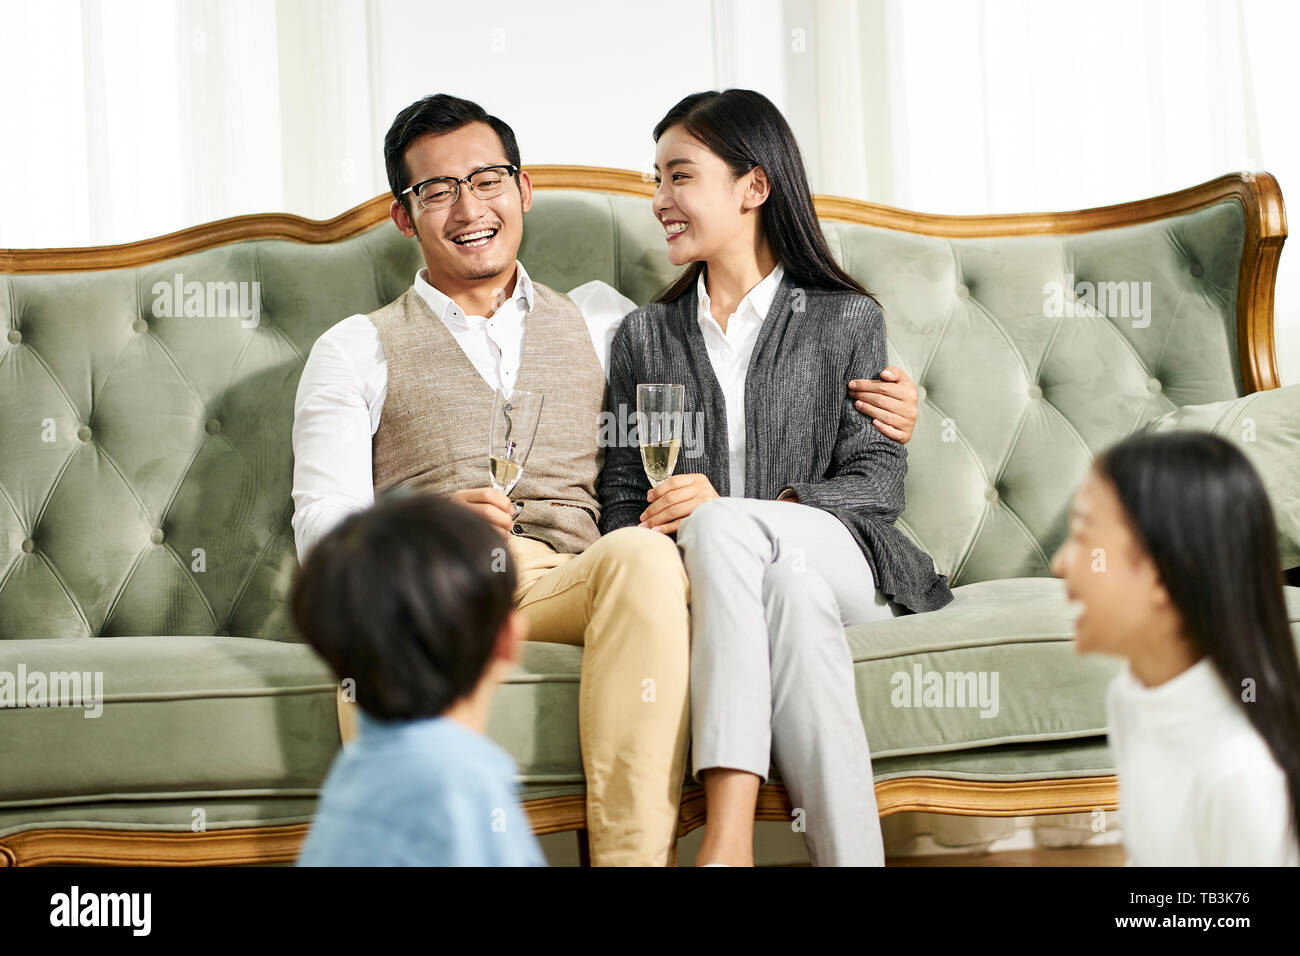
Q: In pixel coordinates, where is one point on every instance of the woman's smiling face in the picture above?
(701, 205)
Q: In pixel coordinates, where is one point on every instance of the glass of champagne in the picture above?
(659, 410)
(515, 414)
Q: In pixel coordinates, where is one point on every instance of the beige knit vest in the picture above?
(433, 431)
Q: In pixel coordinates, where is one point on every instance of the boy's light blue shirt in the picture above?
(428, 792)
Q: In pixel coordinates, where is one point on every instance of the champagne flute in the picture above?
(659, 411)
(515, 414)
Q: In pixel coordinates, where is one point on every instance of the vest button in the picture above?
(518, 529)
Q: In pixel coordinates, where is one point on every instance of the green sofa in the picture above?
(146, 465)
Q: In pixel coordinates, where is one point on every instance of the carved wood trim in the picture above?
(972, 798)
(74, 846)
(280, 844)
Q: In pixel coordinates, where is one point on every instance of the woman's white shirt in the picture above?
(1198, 785)
(729, 354)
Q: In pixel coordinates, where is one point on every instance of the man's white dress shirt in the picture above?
(345, 381)
(729, 353)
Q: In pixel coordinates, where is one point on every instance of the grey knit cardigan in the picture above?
(802, 431)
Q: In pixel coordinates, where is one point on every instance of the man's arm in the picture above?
(332, 431)
(867, 467)
(603, 307)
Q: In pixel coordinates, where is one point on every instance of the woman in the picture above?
(1205, 719)
(765, 331)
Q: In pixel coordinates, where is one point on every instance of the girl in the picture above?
(1172, 552)
(765, 331)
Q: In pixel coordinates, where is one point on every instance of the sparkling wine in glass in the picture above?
(659, 411)
(515, 414)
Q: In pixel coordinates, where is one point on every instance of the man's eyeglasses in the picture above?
(485, 183)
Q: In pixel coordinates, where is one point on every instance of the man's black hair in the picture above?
(406, 598)
(441, 113)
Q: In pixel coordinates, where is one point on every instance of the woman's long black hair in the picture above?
(745, 129)
(1201, 512)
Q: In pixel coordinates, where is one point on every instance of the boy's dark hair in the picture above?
(406, 598)
(441, 113)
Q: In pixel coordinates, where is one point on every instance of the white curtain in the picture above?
(994, 106)
(132, 118)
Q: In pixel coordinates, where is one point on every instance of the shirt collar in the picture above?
(446, 309)
(758, 299)
(1196, 696)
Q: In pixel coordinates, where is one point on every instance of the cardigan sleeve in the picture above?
(867, 467)
(622, 485)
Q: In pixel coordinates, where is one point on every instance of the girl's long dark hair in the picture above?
(745, 129)
(1201, 512)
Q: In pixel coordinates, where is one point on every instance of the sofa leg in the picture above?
(584, 849)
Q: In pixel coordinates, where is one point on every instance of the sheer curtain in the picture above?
(989, 106)
(133, 118)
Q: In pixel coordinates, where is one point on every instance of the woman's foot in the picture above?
(711, 856)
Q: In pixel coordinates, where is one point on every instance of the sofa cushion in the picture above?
(1266, 427)
(195, 716)
(1011, 639)
(1019, 628)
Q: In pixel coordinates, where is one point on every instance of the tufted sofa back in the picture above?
(145, 457)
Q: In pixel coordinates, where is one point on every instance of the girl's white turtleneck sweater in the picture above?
(1198, 785)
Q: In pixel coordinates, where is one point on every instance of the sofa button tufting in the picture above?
(1154, 386)
(222, 632)
(963, 291)
(28, 546)
(991, 495)
(14, 336)
(140, 326)
(157, 536)
(1196, 270)
(84, 433)
(213, 426)
(1035, 392)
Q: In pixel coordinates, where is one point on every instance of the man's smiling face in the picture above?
(474, 240)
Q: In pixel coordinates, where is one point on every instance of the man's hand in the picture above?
(490, 504)
(675, 499)
(890, 402)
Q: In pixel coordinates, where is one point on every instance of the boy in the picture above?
(413, 600)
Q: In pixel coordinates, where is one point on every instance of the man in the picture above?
(407, 599)
(429, 362)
